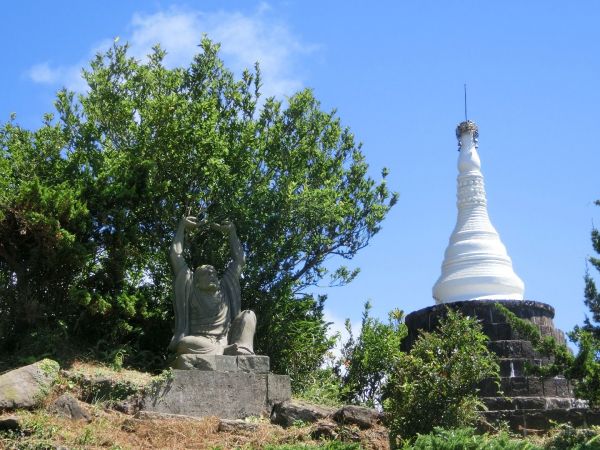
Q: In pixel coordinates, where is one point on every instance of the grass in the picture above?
(113, 430)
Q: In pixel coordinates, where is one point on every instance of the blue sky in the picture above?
(395, 73)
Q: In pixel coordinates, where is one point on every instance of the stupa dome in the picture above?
(476, 264)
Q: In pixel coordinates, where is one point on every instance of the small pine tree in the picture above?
(592, 297)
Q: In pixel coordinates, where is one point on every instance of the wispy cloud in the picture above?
(43, 73)
(244, 38)
(338, 327)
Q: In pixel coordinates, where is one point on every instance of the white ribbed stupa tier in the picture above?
(476, 265)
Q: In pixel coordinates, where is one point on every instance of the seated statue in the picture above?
(208, 320)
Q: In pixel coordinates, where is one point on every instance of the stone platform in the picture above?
(229, 387)
(523, 400)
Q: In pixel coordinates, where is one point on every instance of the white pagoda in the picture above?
(476, 265)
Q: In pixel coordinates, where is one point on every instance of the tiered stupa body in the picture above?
(476, 265)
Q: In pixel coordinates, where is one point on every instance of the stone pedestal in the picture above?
(523, 400)
(229, 387)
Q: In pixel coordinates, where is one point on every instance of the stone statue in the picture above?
(208, 320)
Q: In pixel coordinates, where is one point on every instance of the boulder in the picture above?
(325, 431)
(68, 406)
(27, 386)
(290, 412)
(361, 416)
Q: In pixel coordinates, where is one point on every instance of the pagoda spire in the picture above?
(476, 265)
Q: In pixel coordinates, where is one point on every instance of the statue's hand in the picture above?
(225, 226)
(192, 222)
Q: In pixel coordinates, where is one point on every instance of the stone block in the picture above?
(227, 395)
(488, 388)
(253, 363)
(518, 387)
(230, 395)
(516, 367)
(557, 387)
(536, 387)
(279, 389)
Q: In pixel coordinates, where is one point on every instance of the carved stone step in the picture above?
(517, 367)
(515, 348)
(502, 331)
(533, 403)
(527, 386)
(526, 421)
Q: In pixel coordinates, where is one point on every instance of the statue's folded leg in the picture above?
(199, 345)
(241, 333)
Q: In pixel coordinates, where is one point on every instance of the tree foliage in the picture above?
(436, 383)
(370, 358)
(89, 203)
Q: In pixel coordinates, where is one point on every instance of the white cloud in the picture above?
(338, 326)
(44, 74)
(244, 40)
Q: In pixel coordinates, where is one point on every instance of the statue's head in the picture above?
(206, 279)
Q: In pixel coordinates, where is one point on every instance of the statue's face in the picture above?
(206, 279)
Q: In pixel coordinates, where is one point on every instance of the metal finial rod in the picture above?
(466, 118)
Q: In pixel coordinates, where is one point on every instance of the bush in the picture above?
(466, 439)
(567, 437)
(435, 384)
(370, 358)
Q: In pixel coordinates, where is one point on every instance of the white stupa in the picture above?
(476, 265)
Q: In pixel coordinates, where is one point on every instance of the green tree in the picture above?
(145, 145)
(44, 230)
(585, 367)
(592, 297)
(435, 384)
(370, 358)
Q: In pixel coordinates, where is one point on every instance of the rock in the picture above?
(357, 415)
(288, 413)
(68, 406)
(128, 406)
(324, 431)
(10, 423)
(232, 426)
(27, 386)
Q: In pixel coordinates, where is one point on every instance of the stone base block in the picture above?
(228, 395)
(222, 363)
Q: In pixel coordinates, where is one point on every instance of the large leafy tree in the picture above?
(101, 188)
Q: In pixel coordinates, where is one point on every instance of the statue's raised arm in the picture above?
(237, 252)
(232, 274)
(176, 253)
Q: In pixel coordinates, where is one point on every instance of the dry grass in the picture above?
(110, 429)
(95, 369)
